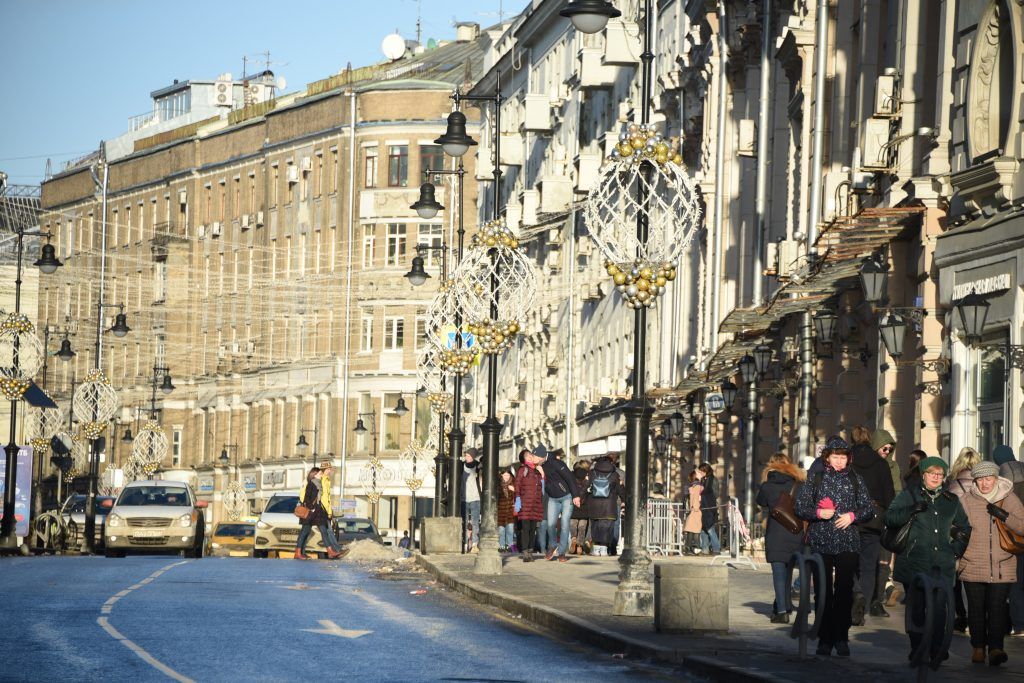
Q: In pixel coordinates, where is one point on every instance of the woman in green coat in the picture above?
(939, 535)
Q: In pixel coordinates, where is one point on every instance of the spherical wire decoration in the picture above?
(495, 274)
(453, 358)
(413, 463)
(234, 500)
(643, 179)
(95, 401)
(80, 452)
(373, 477)
(134, 469)
(41, 424)
(21, 355)
(151, 443)
(429, 377)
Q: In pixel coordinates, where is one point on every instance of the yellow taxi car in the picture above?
(233, 539)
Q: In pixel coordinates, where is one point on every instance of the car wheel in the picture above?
(259, 554)
(110, 552)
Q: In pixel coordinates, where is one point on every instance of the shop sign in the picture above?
(273, 478)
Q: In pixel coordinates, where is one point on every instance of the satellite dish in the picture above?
(281, 83)
(393, 46)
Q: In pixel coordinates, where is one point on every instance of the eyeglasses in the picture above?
(887, 449)
(939, 473)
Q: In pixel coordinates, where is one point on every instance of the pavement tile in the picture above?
(576, 597)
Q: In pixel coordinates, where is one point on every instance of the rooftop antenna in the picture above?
(419, 11)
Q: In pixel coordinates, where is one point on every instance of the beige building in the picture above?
(259, 256)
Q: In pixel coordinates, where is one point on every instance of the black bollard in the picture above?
(801, 629)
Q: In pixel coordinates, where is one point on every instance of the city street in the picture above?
(232, 619)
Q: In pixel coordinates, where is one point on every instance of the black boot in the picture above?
(878, 610)
(857, 613)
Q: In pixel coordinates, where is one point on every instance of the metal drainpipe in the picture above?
(716, 238)
(806, 356)
(570, 367)
(760, 226)
(348, 286)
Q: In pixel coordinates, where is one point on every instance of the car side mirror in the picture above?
(202, 504)
(107, 503)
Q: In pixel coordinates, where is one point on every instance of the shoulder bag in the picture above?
(1009, 541)
(784, 511)
(894, 539)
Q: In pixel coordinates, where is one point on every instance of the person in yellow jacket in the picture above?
(315, 494)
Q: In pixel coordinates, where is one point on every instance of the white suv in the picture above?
(155, 515)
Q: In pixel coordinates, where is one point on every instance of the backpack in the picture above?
(601, 487)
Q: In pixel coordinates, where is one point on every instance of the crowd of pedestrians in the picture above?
(960, 526)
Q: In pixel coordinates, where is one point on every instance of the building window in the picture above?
(275, 186)
(370, 167)
(368, 245)
(398, 165)
(392, 423)
(335, 171)
(396, 244)
(431, 158)
(421, 332)
(430, 236)
(394, 333)
(366, 332)
(319, 174)
(176, 446)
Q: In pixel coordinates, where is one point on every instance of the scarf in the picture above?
(991, 495)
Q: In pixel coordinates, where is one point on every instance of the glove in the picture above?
(518, 505)
(921, 506)
(997, 512)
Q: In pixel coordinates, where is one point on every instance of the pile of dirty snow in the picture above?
(367, 550)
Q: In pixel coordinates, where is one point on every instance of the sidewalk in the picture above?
(575, 600)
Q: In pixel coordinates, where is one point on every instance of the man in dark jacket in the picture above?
(563, 495)
(874, 470)
(606, 493)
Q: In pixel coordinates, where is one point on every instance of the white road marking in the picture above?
(104, 623)
(301, 587)
(332, 629)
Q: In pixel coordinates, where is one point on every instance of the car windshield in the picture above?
(282, 504)
(78, 504)
(353, 526)
(234, 530)
(154, 495)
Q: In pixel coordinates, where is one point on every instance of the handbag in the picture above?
(1009, 541)
(784, 511)
(301, 511)
(894, 539)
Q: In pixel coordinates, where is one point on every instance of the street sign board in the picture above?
(714, 402)
(22, 489)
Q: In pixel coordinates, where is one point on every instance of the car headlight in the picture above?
(185, 520)
(262, 525)
(114, 519)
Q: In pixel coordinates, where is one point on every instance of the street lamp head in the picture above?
(762, 359)
(729, 392)
(590, 16)
(456, 141)
(426, 206)
(973, 310)
(120, 327)
(127, 438)
(360, 428)
(825, 325)
(677, 423)
(400, 408)
(48, 262)
(167, 387)
(874, 276)
(667, 427)
(65, 353)
(893, 329)
(224, 455)
(421, 392)
(748, 369)
(302, 444)
(417, 275)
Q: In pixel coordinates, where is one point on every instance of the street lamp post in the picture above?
(47, 263)
(374, 465)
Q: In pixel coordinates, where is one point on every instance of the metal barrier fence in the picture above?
(665, 521)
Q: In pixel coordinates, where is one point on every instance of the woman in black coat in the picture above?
(709, 509)
(781, 476)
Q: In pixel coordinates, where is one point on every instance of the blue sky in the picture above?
(75, 70)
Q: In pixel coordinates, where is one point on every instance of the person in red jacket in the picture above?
(529, 502)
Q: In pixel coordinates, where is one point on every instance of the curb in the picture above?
(584, 631)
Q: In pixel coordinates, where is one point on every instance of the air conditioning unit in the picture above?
(222, 351)
(243, 221)
(554, 236)
(621, 43)
(293, 174)
(307, 164)
(182, 197)
(537, 113)
(201, 231)
(215, 229)
(554, 260)
(584, 247)
(250, 348)
(259, 219)
(886, 97)
(876, 135)
(789, 257)
(235, 347)
(748, 138)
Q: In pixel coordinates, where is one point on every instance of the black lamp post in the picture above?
(400, 408)
(973, 311)
(893, 330)
(762, 359)
(825, 325)
(874, 277)
(748, 369)
(456, 141)
(65, 353)
(360, 429)
(677, 423)
(47, 263)
(729, 392)
(225, 459)
(426, 206)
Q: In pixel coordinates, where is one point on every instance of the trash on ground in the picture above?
(421, 591)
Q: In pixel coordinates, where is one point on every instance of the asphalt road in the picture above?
(237, 619)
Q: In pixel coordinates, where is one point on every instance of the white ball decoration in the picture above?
(95, 401)
(150, 446)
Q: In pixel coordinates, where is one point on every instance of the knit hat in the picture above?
(836, 443)
(540, 450)
(881, 438)
(1002, 454)
(985, 468)
(932, 461)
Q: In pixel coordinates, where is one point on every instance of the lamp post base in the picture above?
(488, 561)
(634, 596)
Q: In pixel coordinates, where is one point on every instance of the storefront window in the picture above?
(991, 395)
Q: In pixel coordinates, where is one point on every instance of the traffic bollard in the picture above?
(801, 630)
(936, 594)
